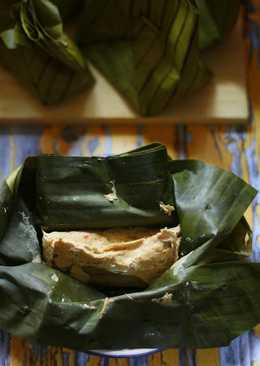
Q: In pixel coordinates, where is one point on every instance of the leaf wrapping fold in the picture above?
(49, 79)
(149, 50)
(207, 298)
(145, 48)
(38, 43)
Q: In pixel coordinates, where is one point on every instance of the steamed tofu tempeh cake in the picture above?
(127, 257)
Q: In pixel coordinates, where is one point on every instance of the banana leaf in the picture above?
(147, 49)
(37, 43)
(217, 18)
(208, 297)
(8, 11)
(49, 78)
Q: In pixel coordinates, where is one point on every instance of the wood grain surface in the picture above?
(234, 148)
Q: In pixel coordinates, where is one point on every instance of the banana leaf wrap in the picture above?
(207, 298)
(147, 49)
(217, 18)
(37, 42)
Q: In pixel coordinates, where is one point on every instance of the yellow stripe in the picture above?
(124, 138)
(94, 361)
(155, 359)
(208, 357)
(50, 139)
(118, 362)
(56, 356)
(209, 144)
(17, 352)
(257, 331)
(170, 358)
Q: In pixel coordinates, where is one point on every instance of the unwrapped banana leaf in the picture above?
(147, 49)
(207, 298)
(217, 17)
(41, 55)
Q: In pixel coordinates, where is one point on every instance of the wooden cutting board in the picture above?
(223, 101)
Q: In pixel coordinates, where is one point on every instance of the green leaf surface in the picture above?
(206, 299)
(222, 191)
(72, 192)
(42, 24)
(49, 79)
(149, 50)
(143, 48)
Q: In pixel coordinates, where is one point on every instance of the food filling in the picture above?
(130, 257)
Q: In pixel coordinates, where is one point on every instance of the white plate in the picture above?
(125, 352)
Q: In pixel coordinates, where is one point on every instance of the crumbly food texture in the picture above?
(115, 257)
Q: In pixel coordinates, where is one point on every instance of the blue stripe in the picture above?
(39, 352)
(4, 349)
(139, 135)
(65, 358)
(183, 357)
(182, 139)
(238, 353)
(93, 145)
(254, 179)
(138, 361)
(233, 139)
(81, 358)
(192, 354)
(104, 361)
(27, 142)
(255, 349)
(108, 141)
(4, 153)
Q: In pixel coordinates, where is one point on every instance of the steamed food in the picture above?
(131, 257)
(96, 249)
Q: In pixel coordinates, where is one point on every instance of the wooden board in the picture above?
(224, 100)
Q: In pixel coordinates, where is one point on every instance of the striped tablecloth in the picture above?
(232, 148)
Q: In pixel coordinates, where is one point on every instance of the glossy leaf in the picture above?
(143, 48)
(49, 79)
(207, 298)
(149, 50)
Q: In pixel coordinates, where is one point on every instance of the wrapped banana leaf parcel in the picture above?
(39, 53)
(150, 50)
(129, 251)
